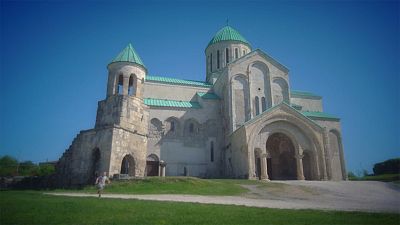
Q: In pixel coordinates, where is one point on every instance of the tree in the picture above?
(8, 166)
(28, 168)
(390, 166)
(46, 169)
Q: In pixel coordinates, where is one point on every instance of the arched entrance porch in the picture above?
(282, 152)
(128, 166)
(152, 165)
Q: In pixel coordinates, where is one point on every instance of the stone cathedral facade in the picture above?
(243, 121)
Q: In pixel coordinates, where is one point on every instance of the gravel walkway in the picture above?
(368, 196)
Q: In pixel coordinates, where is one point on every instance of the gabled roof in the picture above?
(227, 33)
(128, 55)
(176, 81)
(171, 103)
(283, 104)
(320, 115)
(264, 55)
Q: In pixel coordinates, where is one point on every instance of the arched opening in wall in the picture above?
(260, 80)
(211, 63)
(132, 85)
(240, 100)
(307, 169)
(128, 166)
(120, 84)
(218, 58)
(212, 151)
(335, 157)
(172, 127)
(152, 165)
(280, 91)
(282, 152)
(236, 53)
(227, 55)
(191, 128)
(155, 128)
(263, 104)
(257, 105)
(95, 165)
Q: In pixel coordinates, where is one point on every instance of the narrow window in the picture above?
(263, 104)
(257, 106)
(172, 126)
(244, 52)
(120, 84)
(191, 128)
(236, 53)
(211, 59)
(212, 151)
(227, 55)
(131, 88)
(218, 59)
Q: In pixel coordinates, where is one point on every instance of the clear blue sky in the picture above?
(54, 57)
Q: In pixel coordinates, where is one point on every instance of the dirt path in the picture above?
(366, 196)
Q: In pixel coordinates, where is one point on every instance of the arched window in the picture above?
(236, 53)
(120, 84)
(212, 151)
(191, 128)
(263, 104)
(132, 85)
(227, 55)
(257, 106)
(211, 60)
(217, 59)
(172, 126)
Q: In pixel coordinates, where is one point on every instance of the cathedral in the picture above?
(243, 121)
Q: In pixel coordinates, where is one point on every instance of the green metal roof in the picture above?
(304, 94)
(320, 115)
(298, 107)
(128, 55)
(227, 33)
(176, 81)
(171, 103)
(207, 95)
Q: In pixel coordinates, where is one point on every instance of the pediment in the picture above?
(263, 55)
(283, 112)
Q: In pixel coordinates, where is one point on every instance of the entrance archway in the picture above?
(152, 165)
(283, 162)
(128, 165)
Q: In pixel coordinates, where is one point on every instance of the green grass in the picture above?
(29, 207)
(174, 185)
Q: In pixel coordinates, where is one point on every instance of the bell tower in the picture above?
(124, 111)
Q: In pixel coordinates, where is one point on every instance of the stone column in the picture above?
(162, 168)
(299, 163)
(264, 170)
(125, 86)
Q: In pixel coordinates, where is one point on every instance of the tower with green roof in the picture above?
(226, 46)
(124, 112)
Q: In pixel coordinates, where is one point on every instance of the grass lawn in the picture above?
(174, 185)
(30, 207)
(384, 178)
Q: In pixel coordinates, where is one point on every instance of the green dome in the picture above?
(128, 55)
(227, 33)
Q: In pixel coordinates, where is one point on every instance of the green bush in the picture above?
(8, 166)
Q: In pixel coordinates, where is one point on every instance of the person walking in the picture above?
(101, 183)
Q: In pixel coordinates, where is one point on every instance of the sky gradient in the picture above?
(54, 57)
